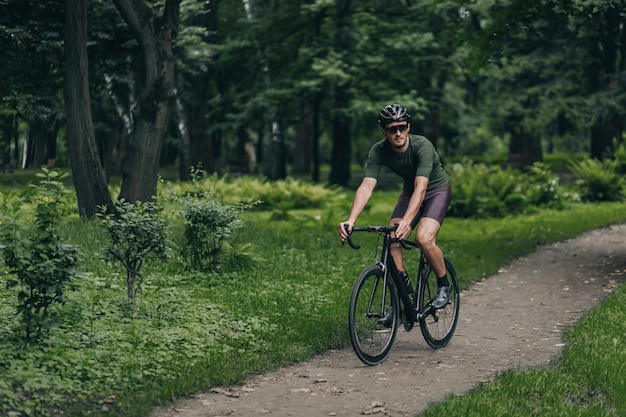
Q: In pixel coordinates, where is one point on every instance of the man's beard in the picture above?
(393, 145)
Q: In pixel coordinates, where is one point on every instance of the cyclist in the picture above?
(424, 198)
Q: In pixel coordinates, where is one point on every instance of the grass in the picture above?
(588, 380)
(191, 331)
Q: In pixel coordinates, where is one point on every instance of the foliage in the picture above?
(261, 193)
(481, 190)
(599, 180)
(136, 234)
(44, 265)
(620, 155)
(209, 224)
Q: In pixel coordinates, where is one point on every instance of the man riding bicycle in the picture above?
(425, 195)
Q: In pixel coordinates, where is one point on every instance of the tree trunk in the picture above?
(341, 146)
(272, 145)
(51, 145)
(316, 138)
(6, 135)
(157, 91)
(87, 172)
(602, 135)
(431, 125)
(37, 139)
(306, 159)
(200, 149)
(304, 141)
(524, 149)
(341, 153)
(274, 165)
(246, 159)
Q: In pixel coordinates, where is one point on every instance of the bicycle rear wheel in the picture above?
(438, 325)
(372, 337)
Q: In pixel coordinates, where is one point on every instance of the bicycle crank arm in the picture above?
(424, 314)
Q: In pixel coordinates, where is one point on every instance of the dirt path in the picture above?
(511, 320)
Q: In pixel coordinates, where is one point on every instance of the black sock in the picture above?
(443, 282)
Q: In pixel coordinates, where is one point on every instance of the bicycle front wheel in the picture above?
(373, 317)
(438, 325)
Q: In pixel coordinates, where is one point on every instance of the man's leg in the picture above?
(396, 248)
(426, 236)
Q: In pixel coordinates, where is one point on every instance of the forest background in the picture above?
(121, 89)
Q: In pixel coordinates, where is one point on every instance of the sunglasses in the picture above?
(394, 129)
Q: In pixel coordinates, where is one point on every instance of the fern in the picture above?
(598, 180)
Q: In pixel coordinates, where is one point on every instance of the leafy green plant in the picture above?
(136, 234)
(598, 180)
(263, 194)
(480, 190)
(43, 264)
(209, 223)
(619, 155)
(543, 187)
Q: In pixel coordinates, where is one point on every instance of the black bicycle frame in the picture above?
(387, 264)
(390, 268)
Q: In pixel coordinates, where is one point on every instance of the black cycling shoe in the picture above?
(387, 320)
(442, 297)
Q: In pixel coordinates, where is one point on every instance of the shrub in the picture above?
(543, 187)
(620, 155)
(136, 234)
(209, 223)
(259, 192)
(598, 180)
(43, 264)
(479, 190)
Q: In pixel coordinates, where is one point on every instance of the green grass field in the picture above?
(190, 331)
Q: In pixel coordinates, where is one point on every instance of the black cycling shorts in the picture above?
(434, 206)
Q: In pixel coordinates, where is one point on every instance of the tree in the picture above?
(341, 156)
(197, 80)
(31, 78)
(600, 29)
(306, 149)
(88, 175)
(556, 65)
(156, 93)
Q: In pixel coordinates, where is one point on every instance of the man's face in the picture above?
(397, 134)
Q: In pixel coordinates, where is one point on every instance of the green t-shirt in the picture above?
(419, 160)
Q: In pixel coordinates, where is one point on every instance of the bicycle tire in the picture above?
(371, 339)
(438, 326)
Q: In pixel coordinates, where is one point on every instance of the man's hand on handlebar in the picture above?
(403, 230)
(345, 228)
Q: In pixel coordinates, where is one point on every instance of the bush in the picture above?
(598, 180)
(209, 223)
(260, 193)
(620, 155)
(43, 264)
(479, 190)
(136, 234)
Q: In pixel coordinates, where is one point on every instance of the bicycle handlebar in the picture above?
(380, 229)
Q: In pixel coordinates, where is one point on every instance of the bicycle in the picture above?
(380, 287)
